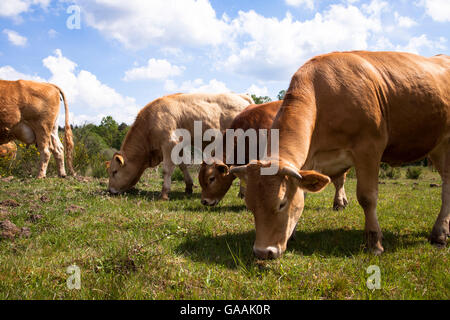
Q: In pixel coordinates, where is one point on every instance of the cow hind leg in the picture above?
(44, 150)
(57, 149)
(441, 160)
(367, 168)
(187, 179)
(340, 197)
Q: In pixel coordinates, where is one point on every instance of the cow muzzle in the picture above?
(208, 202)
(266, 253)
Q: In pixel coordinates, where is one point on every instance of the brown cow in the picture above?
(8, 150)
(152, 136)
(29, 112)
(352, 109)
(215, 178)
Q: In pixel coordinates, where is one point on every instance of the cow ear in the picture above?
(240, 172)
(308, 180)
(223, 169)
(119, 158)
(312, 181)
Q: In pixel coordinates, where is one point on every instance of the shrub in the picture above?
(177, 174)
(386, 171)
(26, 162)
(413, 173)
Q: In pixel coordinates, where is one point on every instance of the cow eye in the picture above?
(114, 173)
(211, 179)
(282, 205)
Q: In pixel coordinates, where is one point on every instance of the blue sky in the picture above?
(127, 53)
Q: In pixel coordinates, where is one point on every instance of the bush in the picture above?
(26, 163)
(386, 171)
(177, 174)
(413, 173)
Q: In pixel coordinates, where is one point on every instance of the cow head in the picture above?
(215, 180)
(123, 174)
(276, 202)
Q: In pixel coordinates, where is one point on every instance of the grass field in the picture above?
(135, 246)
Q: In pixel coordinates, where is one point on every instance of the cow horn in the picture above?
(238, 169)
(288, 171)
(107, 164)
(119, 158)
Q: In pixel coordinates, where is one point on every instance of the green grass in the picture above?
(135, 246)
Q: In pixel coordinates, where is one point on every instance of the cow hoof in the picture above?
(188, 190)
(373, 242)
(340, 205)
(438, 238)
(164, 197)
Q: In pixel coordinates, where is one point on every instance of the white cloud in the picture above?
(438, 10)
(416, 44)
(9, 73)
(52, 33)
(258, 91)
(154, 70)
(297, 3)
(140, 23)
(273, 49)
(15, 38)
(13, 8)
(404, 22)
(197, 85)
(87, 94)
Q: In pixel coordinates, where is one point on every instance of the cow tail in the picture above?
(68, 136)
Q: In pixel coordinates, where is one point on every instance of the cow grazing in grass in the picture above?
(215, 178)
(352, 109)
(8, 150)
(29, 113)
(152, 136)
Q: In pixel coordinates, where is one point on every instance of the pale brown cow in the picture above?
(8, 150)
(215, 178)
(29, 112)
(152, 136)
(352, 109)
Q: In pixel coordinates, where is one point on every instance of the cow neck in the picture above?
(135, 146)
(295, 122)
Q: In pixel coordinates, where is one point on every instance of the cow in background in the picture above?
(215, 178)
(29, 113)
(152, 136)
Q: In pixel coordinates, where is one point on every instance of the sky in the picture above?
(112, 57)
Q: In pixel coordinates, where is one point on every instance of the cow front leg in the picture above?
(367, 193)
(187, 179)
(340, 198)
(441, 160)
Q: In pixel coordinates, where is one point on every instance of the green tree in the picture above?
(281, 94)
(109, 131)
(260, 100)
